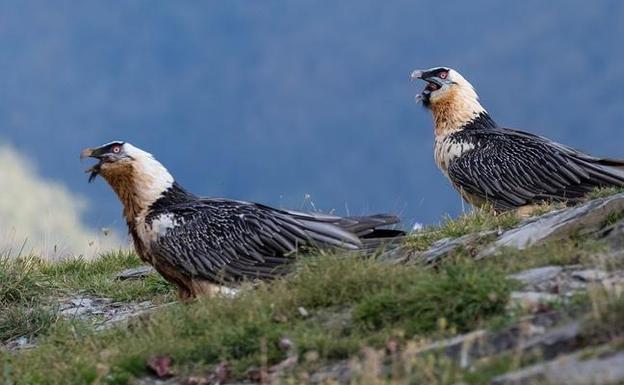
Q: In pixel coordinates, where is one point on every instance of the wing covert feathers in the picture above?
(227, 241)
(511, 168)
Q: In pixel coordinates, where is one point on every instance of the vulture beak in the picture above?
(96, 153)
(108, 153)
(416, 75)
(430, 76)
(419, 75)
(86, 153)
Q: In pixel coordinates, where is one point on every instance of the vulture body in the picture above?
(506, 168)
(197, 243)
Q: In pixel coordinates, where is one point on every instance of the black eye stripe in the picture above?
(436, 72)
(443, 73)
(114, 148)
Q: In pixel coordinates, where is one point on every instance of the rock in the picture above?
(588, 217)
(82, 302)
(614, 286)
(556, 341)
(160, 366)
(437, 251)
(340, 373)
(136, 273)
(74, 312)
(532, 301)
(537, 275)
(464, 348)
(570, 370)
(228, 292)
(446, 246)
(18, 344)
(565, 281)
(590, 275)
(83, 307)
(127, 311)
(285, 344)
(303, 312)
(278, 369)
(536, 332)
(614, 236)
(103, 312)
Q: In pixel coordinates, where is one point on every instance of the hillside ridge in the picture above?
(482, 299)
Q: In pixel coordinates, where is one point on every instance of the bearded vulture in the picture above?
(506, 168)
(197, 243)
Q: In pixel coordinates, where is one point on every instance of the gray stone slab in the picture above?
(558, 224)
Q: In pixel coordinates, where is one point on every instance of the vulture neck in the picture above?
(140, 185)
(483, 121)
(456, 111)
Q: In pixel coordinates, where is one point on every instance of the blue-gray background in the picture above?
(272, 100)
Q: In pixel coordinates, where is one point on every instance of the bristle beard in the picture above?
(95, 171)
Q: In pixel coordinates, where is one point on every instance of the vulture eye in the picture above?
(443, 75)
(116, 149)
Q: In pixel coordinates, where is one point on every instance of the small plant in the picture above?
(478, 220)
(603, 192)
(21, 279)
(95, 277)
(463, 295)
(22, 310)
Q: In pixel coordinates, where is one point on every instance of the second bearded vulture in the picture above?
(196, 242)
(507, 168)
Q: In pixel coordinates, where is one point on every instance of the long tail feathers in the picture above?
(615, 163)
(606, 172)
(351, 233)
(372, 237)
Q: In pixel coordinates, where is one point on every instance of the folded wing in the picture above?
(224, 240)
(513, 168)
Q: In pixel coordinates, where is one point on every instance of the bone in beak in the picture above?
(87, 152)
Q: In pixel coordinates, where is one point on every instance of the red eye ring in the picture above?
(443, 75)
(116, 149)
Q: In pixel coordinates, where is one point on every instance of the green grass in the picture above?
(95, 277)
(463, 293)
(22, 311)
(352, 303)
(475, 221)
(605, 192)
(606, 322)
(30, 288)
(570, 251)
(21, 279)
(245, 330)
(25, 319)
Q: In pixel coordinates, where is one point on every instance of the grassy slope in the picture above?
(30, 287)
(350, 303)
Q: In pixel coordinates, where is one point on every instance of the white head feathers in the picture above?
(452, 99)
(150, 178)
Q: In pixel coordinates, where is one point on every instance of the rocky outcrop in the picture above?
(135, 273)
(591, 218)
(574, 369)
(584, 219)
(100, 312)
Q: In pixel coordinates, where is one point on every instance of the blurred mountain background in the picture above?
(302, 104)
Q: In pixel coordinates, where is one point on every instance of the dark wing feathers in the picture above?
(224, 240)
(512, 168)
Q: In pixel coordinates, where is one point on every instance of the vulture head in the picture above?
(450, 97)
(137, 178)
